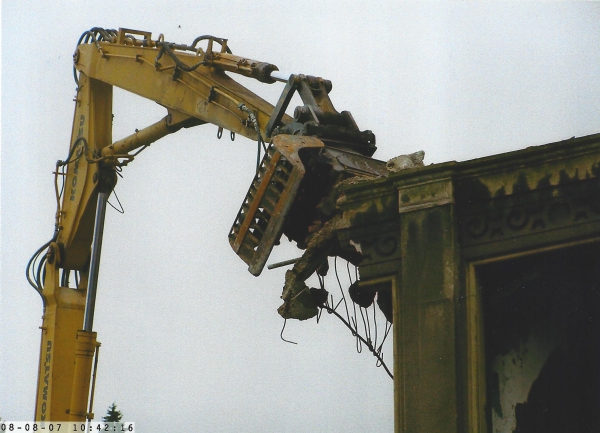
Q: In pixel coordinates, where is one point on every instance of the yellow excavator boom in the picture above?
(192, 83)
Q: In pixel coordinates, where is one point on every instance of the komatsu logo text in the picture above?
(46, 374)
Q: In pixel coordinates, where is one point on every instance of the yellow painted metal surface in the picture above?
(63, 316)
(194, 96)
(206, 93)
(84, 355)
(93, 123)
(64, 306)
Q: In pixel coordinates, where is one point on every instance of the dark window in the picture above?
(542, 341)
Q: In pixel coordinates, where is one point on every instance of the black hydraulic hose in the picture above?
(85, 38)
(87, 35)
(104, 34)
(165, 47)
(33, 277)
(60, 163)
(95, 34)
(33, 258)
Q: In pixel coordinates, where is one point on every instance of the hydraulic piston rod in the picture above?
(142, 137)
(145, 137)
(86, 339)
(90, 302)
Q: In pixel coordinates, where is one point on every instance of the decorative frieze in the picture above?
(533, 212)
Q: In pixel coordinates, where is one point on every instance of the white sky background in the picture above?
(189, 337)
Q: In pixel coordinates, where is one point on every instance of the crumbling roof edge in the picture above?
(522, 158)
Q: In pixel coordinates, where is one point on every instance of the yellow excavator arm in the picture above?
(191, 82)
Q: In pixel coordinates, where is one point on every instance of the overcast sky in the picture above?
(190, 340)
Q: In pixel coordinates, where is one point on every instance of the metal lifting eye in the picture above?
(219, 132)
(232, 135)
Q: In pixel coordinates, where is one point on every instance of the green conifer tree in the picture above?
(113, 415)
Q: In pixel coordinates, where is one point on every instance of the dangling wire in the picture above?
(366, 322)
(341, 289)
(322, 284)
(281, 335)
(321, 281)
(388, 328)
(377, 355)
(374, 345)
(375, 323)
(348, 270)
(121, 211)
(319, 315)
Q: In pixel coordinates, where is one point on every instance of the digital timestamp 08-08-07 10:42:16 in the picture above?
(67, 426)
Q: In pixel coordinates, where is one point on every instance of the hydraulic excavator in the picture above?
(305, 156)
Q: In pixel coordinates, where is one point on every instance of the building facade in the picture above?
(493, 267)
